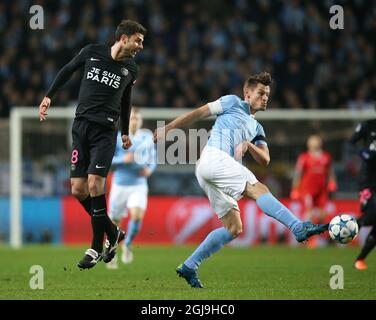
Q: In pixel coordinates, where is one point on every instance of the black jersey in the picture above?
(366, 133)
(105, 86)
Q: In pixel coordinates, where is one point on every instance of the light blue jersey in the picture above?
(234, 124)
(143, 149)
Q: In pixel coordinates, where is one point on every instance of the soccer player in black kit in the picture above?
(104, 97)
(366, 133)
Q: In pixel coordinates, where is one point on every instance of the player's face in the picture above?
(135, 121)
(257, 96)
(314, 143)
(133, 44)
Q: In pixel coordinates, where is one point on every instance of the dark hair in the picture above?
(136, 110)
(264, 77)
(129, 27)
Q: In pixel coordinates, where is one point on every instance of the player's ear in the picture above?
(246, 92)
(124, 38)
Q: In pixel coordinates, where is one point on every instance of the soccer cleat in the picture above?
(90, 259)
(309, 229)
(127, 255)
(360, 265)
(113, 264)
(189, 275)
(110, 249)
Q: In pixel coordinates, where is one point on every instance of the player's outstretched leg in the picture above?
(307, 229)
(368, 246)
(275, 209)
(134, 226)
(214, 241)
(190, 275)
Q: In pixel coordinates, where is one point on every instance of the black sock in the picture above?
(98, 221)
(87, 204)
(111, 230)
(98, 204)
(368, 245)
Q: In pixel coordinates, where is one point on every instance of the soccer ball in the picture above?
(343, 228)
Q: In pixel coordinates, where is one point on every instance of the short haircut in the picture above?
(264, 77)
(136, 110)
(129, 27)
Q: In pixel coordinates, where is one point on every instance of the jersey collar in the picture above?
(247, 108)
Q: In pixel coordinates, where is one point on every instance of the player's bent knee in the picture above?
(137, 214)
(255, 190)
(79, 193)
(96, 185)
(235, 230)
(232, 222)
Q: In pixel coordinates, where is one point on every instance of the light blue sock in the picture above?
(214, 241)
(275, 209)
(134, 227)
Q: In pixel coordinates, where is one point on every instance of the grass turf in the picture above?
(262, 272)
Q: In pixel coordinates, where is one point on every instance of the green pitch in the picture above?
(233, 273)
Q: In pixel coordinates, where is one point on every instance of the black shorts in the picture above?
(367, 199)
(93, 147)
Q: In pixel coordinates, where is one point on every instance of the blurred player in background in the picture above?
(314, 179)
(104, 98)
(366, 134)
(129, 189)
(224, 179)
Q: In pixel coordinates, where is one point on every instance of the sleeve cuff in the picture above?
(215, 107)
(258, 142)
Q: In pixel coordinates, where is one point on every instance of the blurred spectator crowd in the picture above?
(196, 50)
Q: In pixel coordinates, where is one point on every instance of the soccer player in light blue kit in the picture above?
(222, 176)
(129, 189)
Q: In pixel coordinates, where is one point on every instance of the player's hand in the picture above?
(43, 107)
(127, 143)
(332, 186)
(129, 157)
(240, 150)
(367, 154)
(145, 172)
(294, 194)
(160, 133)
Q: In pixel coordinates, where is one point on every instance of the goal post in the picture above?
(16, 116)
(19, 114)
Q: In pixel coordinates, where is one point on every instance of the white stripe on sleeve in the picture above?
(215, 107)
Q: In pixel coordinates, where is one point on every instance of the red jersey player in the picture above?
(314, 178)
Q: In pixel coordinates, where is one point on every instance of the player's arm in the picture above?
(296, 179)
(332, 182)
(125, 113)
(259, 152)
(297, 176)
(298, 173)
(151, 162)
(184, 120)
(258, 148)
(118, 158)
(62, 77)
(359, 134)
(367, 153)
